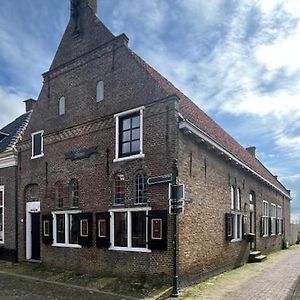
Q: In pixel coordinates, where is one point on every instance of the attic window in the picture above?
(100, 91)
(37, 144)
(62, 106)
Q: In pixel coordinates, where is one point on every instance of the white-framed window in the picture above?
(237, 226)
(46, 227)
(100, 91)
(129, 134)
(265, 218)
(156, 229)
(236, 199)
(1, 214)
(84, 227)
(37, 144)
(279, 220)
(66, 229)
(140, 188)
(129, 229)
(62, 106)
(273, 218)
(74, 192)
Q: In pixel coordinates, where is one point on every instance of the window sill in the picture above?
(37, 156)
(145, 250)
(66, 245)
(141, 155)
(264, 236)
(1, 242)
(236, 240)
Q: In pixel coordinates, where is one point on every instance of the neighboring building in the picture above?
(105, 121)
(10, 135)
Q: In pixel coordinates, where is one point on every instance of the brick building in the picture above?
(105, 122)
(10, 135)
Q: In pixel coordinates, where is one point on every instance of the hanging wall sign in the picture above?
(81, 154)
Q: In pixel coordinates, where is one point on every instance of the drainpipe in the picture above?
(16, 212)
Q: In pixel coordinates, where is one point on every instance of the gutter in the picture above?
(186, 124)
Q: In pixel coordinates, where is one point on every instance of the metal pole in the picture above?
(175, 276)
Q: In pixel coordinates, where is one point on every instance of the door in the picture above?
(252, 228)
(35, 236)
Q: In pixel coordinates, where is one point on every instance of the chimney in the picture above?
(251, 150)
(30, 103)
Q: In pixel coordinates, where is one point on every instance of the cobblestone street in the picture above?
(276, 278)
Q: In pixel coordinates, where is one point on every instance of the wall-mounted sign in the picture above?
(81, 154)
(160, 179)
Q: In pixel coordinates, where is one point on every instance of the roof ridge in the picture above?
(194, 113)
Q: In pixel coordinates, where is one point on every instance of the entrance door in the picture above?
(252, 227)
(35, 236)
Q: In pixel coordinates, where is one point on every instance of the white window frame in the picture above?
(2, 190)
(117, 119)
(279, 218)
(67, 229)
(233, 195)
(41, 132)
(265, 218)
(237, 238)
(81, 226)
(129, 233)
(160, 229)
(44, 227)
(273, 218)
(101, 221)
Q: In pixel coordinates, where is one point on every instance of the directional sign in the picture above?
(160, 179)
(176, 191)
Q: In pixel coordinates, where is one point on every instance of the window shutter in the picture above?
(228, 227)
(47, 237)
(262, 227)
(277, 226)
(86, 240)
(282, 226)
(158, 229)
(103, 241)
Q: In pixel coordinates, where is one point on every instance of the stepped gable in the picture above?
(208, 126)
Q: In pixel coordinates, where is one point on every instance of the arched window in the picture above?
(100, 91)
(59, 197)
(251, 197)
(119, 189)
(62, 106)
(140, 188)
(74, 192)
(233, 197)
(239, 199)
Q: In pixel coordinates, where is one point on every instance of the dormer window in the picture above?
(62, 106)
(37, 145)
(100, 91)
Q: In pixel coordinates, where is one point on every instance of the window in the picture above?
(265, 219)
(100, 91)
(235, 226)
(66, 229)
(129, 134)
(1, 214)
(279, 220)
(119, 189)
(74, 192)
(251, 197)
(129, 230)
(140, 186)
(59, 197)
(273, 219)
(37, 144)
(62, 106)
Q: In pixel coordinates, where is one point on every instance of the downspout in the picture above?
(16, 210)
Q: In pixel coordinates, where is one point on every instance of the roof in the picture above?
(13, 132)
(201, 120)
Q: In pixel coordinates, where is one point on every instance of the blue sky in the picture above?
(237, 59)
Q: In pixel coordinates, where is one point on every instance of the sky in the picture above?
(237, 59)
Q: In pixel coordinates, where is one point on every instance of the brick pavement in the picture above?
(274, 279)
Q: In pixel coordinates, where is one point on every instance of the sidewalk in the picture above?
(276, 278)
